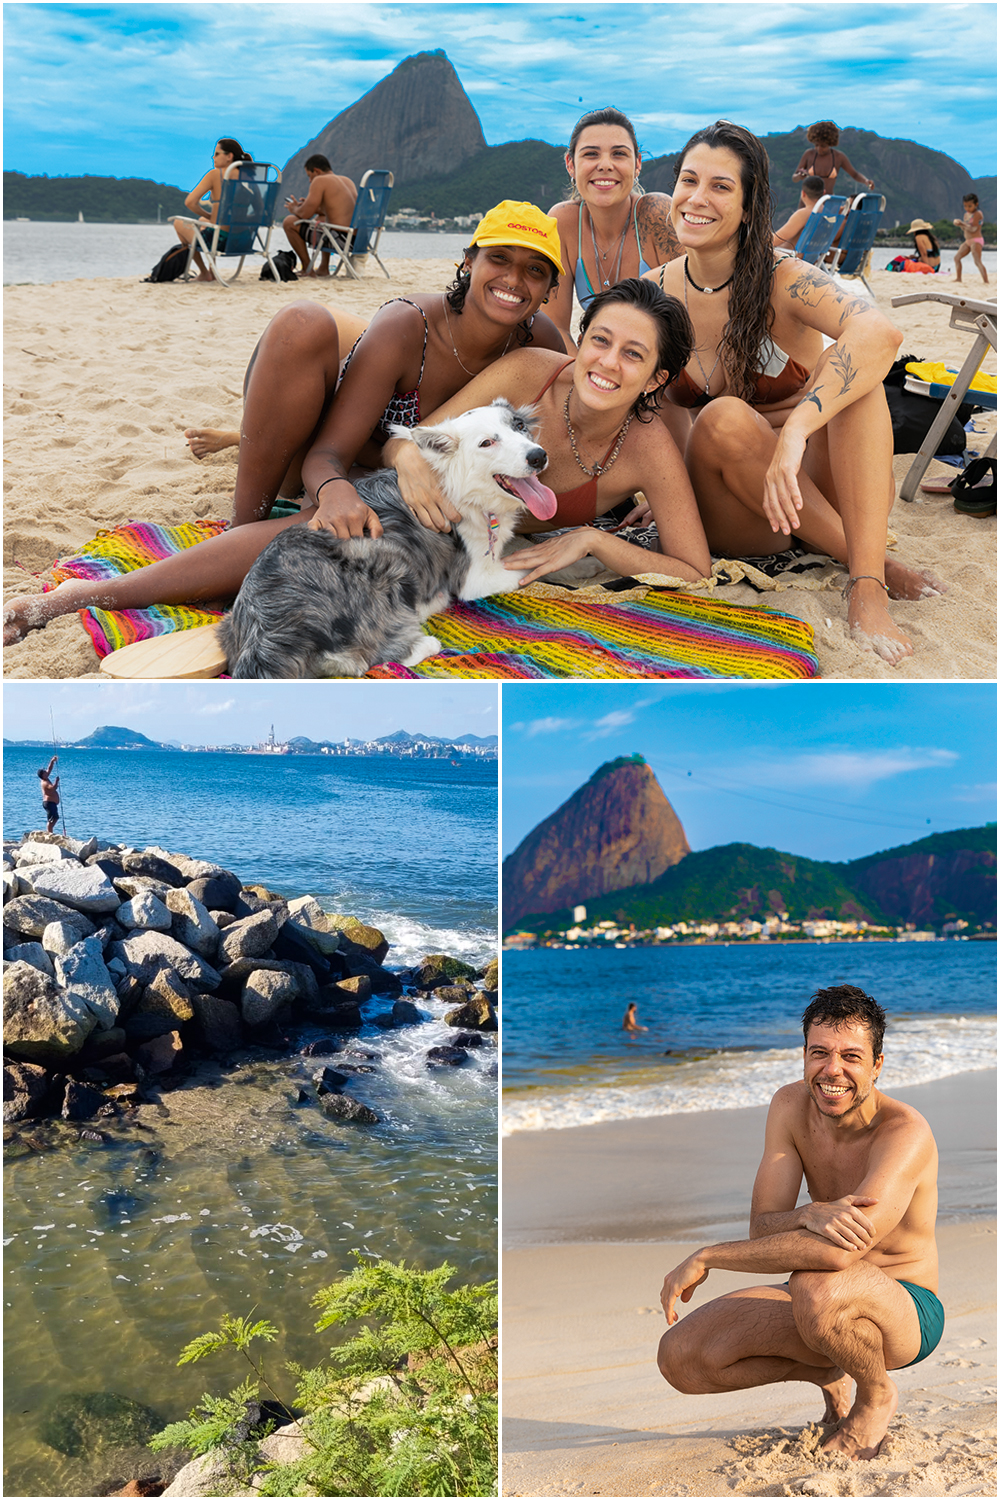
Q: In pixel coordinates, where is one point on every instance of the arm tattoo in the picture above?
(813, 396)
(811, 286)
(841, 361)
(655, 223)
(854, 308)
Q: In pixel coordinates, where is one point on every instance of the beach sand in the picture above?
(585, 1409)
(103, 377)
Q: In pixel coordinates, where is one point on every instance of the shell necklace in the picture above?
(603, 468)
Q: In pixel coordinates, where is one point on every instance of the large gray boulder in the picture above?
(60, 937)
(83, 887)
(192, 924)
(248, 938)
(83, 971)
(265, 994)
(32, 853)
(145, 862)
(306, 985)
(25, 1087)
(145, 953)
(369, 941)
(218, 1021)
(220, 890)
(41, 1022)
(31, 915)
(33, 954)
(129, 886)
(310, 921)
(144, 912)
(164, 1005)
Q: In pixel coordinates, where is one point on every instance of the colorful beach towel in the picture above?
(509, 636)
(666, 635)
(136, 545)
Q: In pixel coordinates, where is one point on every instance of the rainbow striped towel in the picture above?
(510, 636)
(666, 635)
(136, 545)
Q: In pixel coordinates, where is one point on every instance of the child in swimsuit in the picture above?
(972, 225)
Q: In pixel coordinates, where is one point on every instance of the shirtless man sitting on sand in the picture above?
(330, 198)
(860, 1299)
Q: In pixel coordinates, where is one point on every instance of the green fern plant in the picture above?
(405, 1406)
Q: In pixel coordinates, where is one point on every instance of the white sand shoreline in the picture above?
(103, 377)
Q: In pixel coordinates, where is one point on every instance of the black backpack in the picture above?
(913, 414)
(170, 265)
(284, 260)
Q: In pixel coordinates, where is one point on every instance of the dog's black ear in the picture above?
(434, 440)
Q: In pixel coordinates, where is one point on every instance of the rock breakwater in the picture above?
(124, 968)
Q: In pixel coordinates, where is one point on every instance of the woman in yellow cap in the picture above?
(314, 409)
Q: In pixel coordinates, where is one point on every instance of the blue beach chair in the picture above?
(851, 255)
(819, 229)
(352, 242)
(245, 220)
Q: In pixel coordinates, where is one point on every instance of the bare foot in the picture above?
(870, 623)
(32, 611)
(202, 440)
(861, 1432)
(906, 583)
(204, 276)
(837, 1391)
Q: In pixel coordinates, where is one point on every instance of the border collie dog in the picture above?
(314, 605)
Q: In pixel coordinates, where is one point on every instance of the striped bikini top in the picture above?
(403, 409)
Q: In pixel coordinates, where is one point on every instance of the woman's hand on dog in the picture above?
(549, 557)
(344, 513)
(420, 491)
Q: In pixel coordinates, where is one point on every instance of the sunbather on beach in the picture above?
(787, 436)
(787, 236)
(971, 225)
(610, 229)
(226, 152)
(925, 246)
(823, 160)
(596, 422)
(313, 409)
(861, 1296)
(330, 198)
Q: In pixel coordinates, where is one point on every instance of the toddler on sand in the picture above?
(972, 224)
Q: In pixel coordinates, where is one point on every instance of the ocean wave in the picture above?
(411, 939)
(919, 1051)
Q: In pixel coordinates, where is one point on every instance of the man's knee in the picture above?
(679, 1361)
(819, 1300)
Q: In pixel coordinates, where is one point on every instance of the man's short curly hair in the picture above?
(844, 1005)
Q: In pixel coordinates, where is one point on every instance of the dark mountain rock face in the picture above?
(931, 887)
(616, 831)
(418, 122)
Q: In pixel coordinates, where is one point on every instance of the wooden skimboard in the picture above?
(180, 653)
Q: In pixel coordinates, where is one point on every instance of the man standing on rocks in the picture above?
(861, 1295)
(50, 795)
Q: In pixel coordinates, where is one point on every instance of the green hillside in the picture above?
(958, 839)
(527, 171)
(101, 200)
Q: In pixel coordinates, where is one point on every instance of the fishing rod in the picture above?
(62, 804)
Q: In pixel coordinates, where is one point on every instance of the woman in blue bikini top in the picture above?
(609, 229)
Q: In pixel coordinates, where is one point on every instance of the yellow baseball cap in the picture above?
(520, 224)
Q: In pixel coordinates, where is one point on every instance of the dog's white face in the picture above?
(487, 460)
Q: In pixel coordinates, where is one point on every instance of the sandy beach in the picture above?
(585, 1409)
(103, 377)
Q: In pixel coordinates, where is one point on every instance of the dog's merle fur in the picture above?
(314, 605)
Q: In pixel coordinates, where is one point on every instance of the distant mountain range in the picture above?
(113, 737)
(419, 122)
(944, 875)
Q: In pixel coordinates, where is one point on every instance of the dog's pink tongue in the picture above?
(537, 497)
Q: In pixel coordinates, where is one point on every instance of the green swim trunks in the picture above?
(930, 1316)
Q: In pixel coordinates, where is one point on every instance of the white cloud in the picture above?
(608, 724)
(211, 707)
(855, 768)
(548, 726)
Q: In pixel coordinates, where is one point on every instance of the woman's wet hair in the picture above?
(607, 116)
(750, 312)
(674, 334)
(456, 293)
(823, 133)
(845, 1005)
(233, 148)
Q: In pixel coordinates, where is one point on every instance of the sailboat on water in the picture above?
(79, 217)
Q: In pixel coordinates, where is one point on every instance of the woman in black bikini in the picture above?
(760, 387)
(823, 160)
(595, 421)
(226, 152)
(412, 356)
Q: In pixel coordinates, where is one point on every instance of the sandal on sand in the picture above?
(940, 485)
(975, 490)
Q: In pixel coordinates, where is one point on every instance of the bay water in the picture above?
(238, 1196)
(723, 1023)
(36, 252)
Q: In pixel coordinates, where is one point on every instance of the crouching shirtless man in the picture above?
(861, 1297)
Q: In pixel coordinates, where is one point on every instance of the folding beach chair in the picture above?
(352, 242)
(244, 223)
(820, 227)
(975, 317)
(850, 257)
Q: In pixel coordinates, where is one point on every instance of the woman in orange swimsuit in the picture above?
(824, 160)
(595, 416)
(761, 387)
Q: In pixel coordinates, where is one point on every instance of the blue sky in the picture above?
(213, 713)
(145, 90)
(826, 770)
